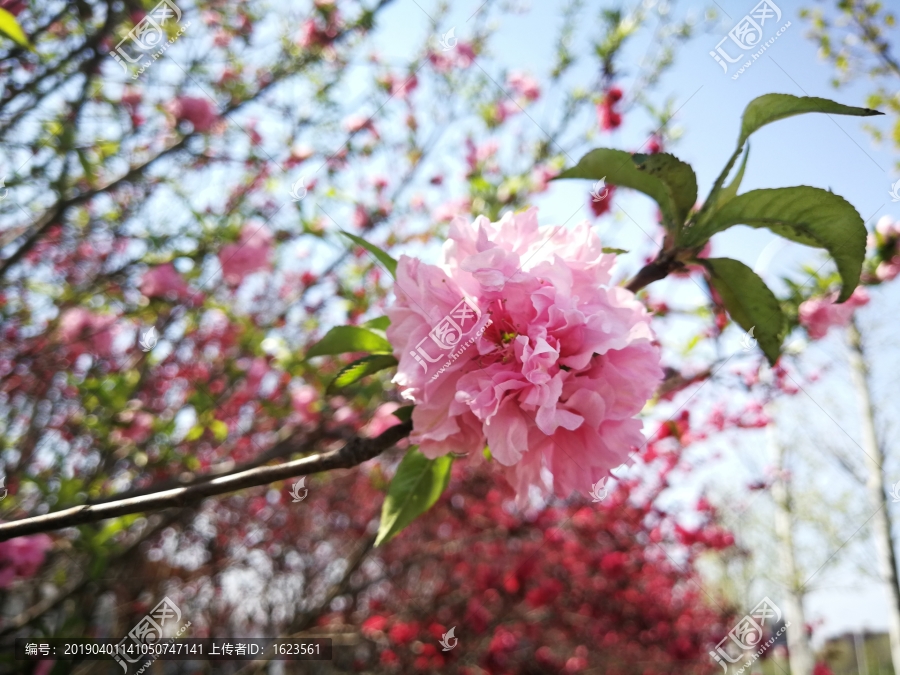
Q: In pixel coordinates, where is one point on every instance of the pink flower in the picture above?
(84, 331)
(817, 315)
(357, 123)
(451, 209)
(164, 282)
(887, 227)
(541, 175)
(199, 111)
(303, 401)
(552, 361)
(888, 270)
(382, 420)
(22, 557)
(251, 253)
(524, 85)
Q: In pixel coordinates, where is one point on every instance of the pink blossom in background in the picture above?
(22, 557)
(251, 253)
(84, 331)
(888, 270)
(524, 85)
(887, 227)
(382, 420)
(303, 401)
(450, 209)
(555, 380)
(357, 123)
(199, 111)
(164, 281)
(541, 175)
(817, 315)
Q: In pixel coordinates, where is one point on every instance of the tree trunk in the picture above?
(799, 651)
(874, 458)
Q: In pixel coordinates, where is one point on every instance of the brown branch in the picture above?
(355, 452)
(658, 269)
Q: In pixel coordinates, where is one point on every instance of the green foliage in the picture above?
(415, 488)
(359, 369)
(389, 263)
(343, 339)
(11, 29)
(807, 215)
(803, 214)
(749, 302)
(624, 169)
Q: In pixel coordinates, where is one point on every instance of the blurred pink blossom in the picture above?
(251, 253)
(382, 420)
(22, 557)
(560, 362)
(164, 281)
(818, 315)
(199, 111)
(84, 330)
(524, 85)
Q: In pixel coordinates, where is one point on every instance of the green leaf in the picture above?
(415, 488)
(619, 168)
(726, 194)
(678, 176)
(617, 251)
(379, 323)
(807, 215)
(404, 413)
(343, 339)
(359, 369)
(773, 107)
(749, 302)
(386, 260)
(11, 28)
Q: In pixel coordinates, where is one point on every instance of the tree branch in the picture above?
(355, 452)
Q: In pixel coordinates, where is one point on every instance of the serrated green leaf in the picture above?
(379, 323)
(359, 369)
(343, 339)
(807, 215)
(727, 193)
(773, 107)
(11, 28)
(678, 176)
(415, 488)
(749, 302)
(618, 168)
(386, 260)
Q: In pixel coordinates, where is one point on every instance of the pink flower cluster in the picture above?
(84, 331)
(199, 111)
(549, 365)
(22, 557)
(164, 281)
(818, 315)
(888, 231)
(251, 253)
